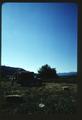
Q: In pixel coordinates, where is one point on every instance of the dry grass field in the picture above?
(48, 98)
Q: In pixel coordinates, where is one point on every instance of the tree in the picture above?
(47, 72)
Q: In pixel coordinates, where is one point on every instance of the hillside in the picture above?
(7, 70)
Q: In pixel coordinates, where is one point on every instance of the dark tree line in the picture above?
(30, 78)
(25, 77)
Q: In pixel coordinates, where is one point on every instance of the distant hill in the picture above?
(67, 74)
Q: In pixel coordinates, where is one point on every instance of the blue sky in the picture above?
(34, 34)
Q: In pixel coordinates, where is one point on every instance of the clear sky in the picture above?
(34, 34)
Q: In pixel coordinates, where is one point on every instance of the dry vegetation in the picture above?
(49, 98)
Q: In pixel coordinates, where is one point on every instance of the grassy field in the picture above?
(49, 98)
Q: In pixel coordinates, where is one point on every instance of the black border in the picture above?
(51, 116)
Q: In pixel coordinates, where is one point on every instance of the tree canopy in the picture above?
(47, 72)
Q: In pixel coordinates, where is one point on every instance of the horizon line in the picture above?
(37, 71)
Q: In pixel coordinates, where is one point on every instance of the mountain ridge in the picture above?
(67, 74)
